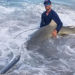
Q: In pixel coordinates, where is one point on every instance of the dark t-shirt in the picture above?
(45, 20)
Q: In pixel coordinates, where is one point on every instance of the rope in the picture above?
(24, 31)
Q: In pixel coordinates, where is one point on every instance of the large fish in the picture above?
(40, 38)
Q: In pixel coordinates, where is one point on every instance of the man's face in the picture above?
(47, 7)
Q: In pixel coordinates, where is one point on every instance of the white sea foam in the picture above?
(14, 21)
(6, 10)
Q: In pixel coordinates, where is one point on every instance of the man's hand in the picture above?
(54, 33)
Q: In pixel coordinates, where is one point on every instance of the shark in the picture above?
(40, 38)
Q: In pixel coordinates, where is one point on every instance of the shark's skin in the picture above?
(41, 37)
(67, 31)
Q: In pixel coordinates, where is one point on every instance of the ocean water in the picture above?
(21, 18)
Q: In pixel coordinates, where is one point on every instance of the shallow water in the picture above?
(16, 17)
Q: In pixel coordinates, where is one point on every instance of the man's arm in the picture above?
(42, 21)
(58, 21)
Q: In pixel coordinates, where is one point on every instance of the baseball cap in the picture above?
(47, 2)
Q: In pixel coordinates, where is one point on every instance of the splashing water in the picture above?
(17, 16)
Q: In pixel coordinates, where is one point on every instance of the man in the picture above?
(50, 15)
